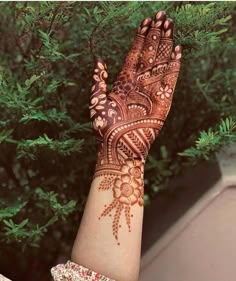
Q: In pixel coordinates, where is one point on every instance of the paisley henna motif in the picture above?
(127, 121)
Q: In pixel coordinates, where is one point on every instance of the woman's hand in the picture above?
(127, 120)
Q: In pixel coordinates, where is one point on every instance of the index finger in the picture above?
(137, 46)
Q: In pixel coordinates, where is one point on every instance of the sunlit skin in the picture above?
(126, 122)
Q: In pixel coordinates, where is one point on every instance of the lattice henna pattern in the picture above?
(127, 121)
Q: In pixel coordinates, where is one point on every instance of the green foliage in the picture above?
(12, 211)
(48, 151)
(59, 209)
(212, 141)
(29, 148)
(29, 232)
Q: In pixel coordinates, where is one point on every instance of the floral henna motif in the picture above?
(127, 191)
(127, 121)
(164, 93)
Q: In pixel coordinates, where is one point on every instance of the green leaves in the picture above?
(45, 37)
(29, 82)
(5, 134)
(49, 116)
(30, 147)
(228, 128)
(202, 23)
(51, 51)
(16, 231)
(211, 141)
(27, 232)
(12, 210)
(60, 210)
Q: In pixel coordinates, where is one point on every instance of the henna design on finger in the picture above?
(166, 42)
(137, 46)
(152, 42)
(127, 121)
(104, 112)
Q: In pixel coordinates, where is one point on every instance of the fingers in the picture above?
(177, 54)
(152, 42)
(172, 73)
(166, 42)
(137, 46)
(98, 97)
(163, 90)
(171, 76)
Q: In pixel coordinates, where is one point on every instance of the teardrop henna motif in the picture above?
(127, 121)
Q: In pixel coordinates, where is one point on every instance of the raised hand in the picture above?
(127, 120)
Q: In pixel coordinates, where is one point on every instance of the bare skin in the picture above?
(126, 122)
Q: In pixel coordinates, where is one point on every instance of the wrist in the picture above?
(125, 180)
(124, 184)
(130, 166)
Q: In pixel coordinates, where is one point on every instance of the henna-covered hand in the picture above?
(127, 121)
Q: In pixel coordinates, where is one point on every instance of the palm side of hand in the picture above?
(130, 117)
(128, 120)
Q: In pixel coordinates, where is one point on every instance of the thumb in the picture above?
(98, 97)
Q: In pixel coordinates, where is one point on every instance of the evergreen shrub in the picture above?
(48, 151)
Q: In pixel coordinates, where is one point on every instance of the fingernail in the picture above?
(160, 15)
(178, 48)
(167, 23)
(146, 22)
(178, 56)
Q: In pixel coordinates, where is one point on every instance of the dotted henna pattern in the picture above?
(127, 121)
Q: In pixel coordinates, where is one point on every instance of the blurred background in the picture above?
(48, 151)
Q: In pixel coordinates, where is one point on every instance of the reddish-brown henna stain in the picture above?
(127, 121)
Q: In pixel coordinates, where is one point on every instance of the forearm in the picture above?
(96, 246)
(126, 122)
